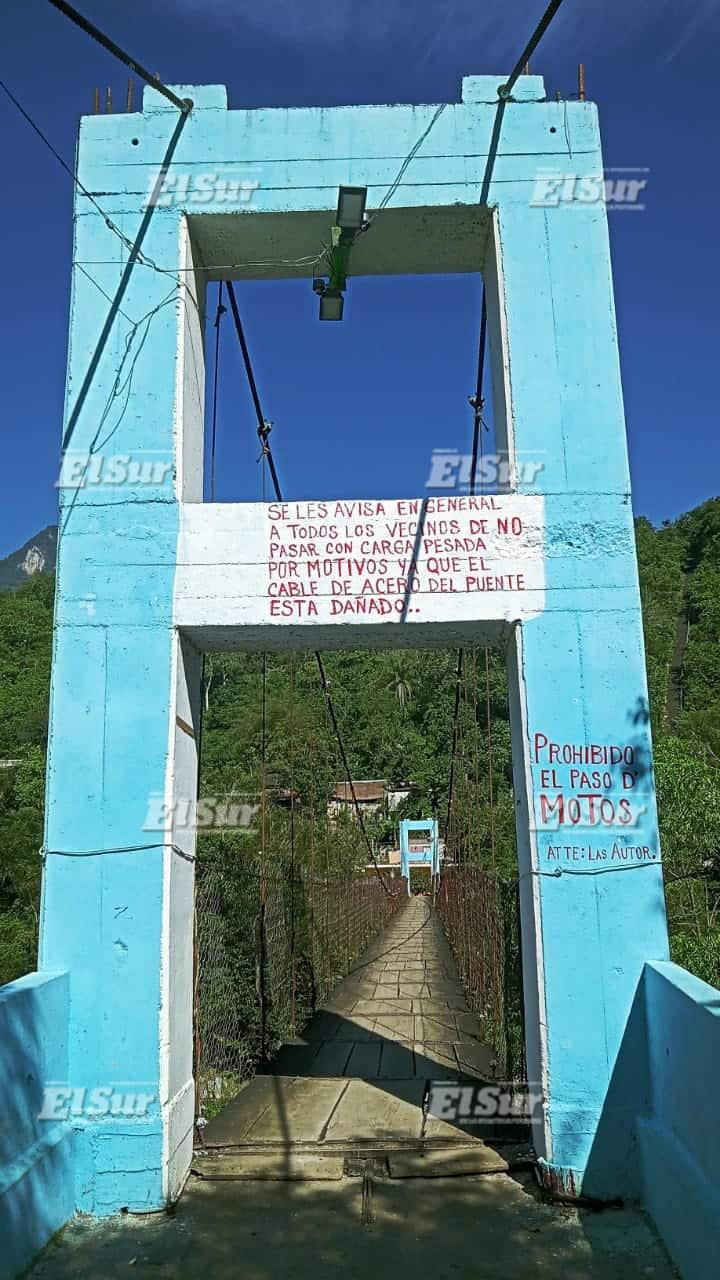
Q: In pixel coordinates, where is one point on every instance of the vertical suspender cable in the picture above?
(478, 406)
(293, 957)
(213, 436)
(263, 431)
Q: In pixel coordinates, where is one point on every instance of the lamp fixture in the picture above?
(331, 305)
(351, 208)
(349, 221)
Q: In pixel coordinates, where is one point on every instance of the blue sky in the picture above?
(358, 407)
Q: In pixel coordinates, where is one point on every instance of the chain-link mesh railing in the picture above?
(270, 947)
(481, 917)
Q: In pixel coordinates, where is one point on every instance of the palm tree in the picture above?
(399, 682)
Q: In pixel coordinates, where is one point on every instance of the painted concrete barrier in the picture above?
(679, 1137)
(659, 1131)
(36, 1168)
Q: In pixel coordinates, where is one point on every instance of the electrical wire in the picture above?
(559, 872)
(103, 853)
(138, 256)
(403, 169)
(105, 295)
(307, 260)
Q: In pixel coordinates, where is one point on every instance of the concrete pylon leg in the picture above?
(117, 906)
(591, 880)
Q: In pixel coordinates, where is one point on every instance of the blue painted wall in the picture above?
(37, 1194)
(111, 698)
(596, 882)
(679, 1137)
(660, 1118)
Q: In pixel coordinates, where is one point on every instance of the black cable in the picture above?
(346, 765)
(183, 104)
(453, 750)
(62, 161)
(506, 89)
(403, 167)
(559, 872)
(213, 437)
(263, 429)
(477, 404)
(133, 250)
(101, 853)
(477, 400)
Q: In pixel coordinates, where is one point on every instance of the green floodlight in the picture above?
(351, 208)
(349, 221)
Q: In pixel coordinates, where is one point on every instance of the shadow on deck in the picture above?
(357, 1081)
(313, 1170)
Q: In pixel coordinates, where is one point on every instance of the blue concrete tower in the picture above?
(149, 576)
(427, 854)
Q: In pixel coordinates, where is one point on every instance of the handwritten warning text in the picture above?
(403, 559)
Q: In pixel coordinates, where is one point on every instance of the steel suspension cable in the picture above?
(453, 749)
(346, 766)
(183, 104)
(293, 958)
(506, 89)
(263, 431)
(263, 426)
(491, 786)
(218, 317)
(478, 403)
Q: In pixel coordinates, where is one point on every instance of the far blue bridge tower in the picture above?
(419, 846)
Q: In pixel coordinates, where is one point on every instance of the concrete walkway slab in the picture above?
(368, 1113)
(377, 1041)
(275, 1166)
(299, 1111)
(446, 1164)
(233, 1122)
(485, 1228)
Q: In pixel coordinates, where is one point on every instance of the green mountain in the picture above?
(38, 555)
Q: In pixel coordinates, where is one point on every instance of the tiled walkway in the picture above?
(401, 1014)
(358, 1076)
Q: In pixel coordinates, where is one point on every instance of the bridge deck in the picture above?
(324, 1160)
(359, 1073)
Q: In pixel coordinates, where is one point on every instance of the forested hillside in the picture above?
(396, 710)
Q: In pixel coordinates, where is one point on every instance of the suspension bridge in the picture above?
(300, 1060)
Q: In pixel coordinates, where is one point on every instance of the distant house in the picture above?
(373, 795)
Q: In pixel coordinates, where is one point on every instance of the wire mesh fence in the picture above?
(480, 912)
(271, 945)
